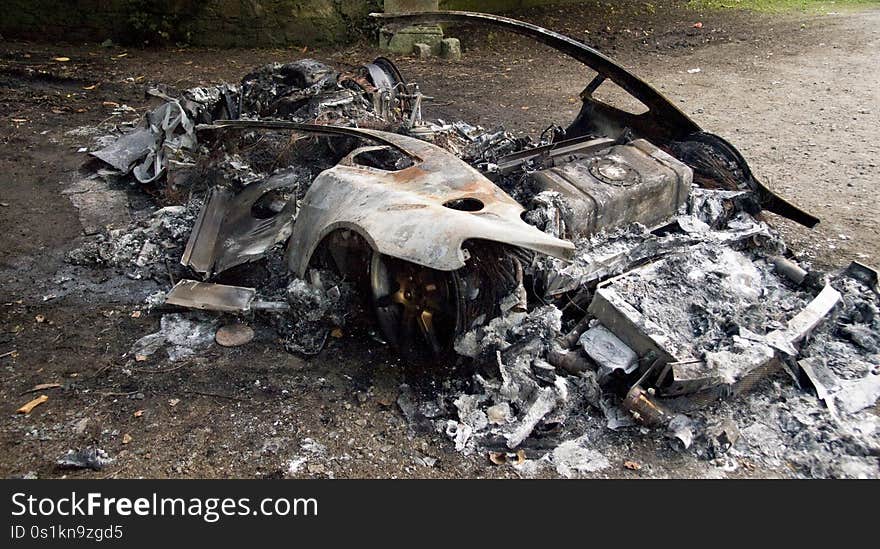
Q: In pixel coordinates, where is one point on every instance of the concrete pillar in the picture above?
(404, 40)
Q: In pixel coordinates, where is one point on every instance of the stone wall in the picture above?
(222, 23)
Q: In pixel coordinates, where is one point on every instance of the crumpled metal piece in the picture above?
(144, 151)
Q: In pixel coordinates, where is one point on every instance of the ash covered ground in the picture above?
(508, 406)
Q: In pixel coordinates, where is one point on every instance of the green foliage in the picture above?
(814, 6)
(159, 22)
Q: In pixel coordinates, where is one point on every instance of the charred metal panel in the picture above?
(211, 297)
(208, 296)
(227, 233)
(717, 374)
(199, 253)
(638, 332)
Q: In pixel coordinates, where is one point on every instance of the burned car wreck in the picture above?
(622, 263)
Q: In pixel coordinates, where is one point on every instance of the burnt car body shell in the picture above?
(412, 214)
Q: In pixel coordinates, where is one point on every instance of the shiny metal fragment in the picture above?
(207, 296)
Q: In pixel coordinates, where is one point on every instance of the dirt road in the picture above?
(799, 95)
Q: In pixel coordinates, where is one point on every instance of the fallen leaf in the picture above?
(498, 458)
(27, 408)
(61, 59)
(138, 413)
(520, 457)
(336, 332)
(174, 402)
(632, 465)
(126, 438)
(136, 314)
(42, 387)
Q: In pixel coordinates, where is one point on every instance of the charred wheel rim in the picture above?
(416, 307)
(421, 310)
